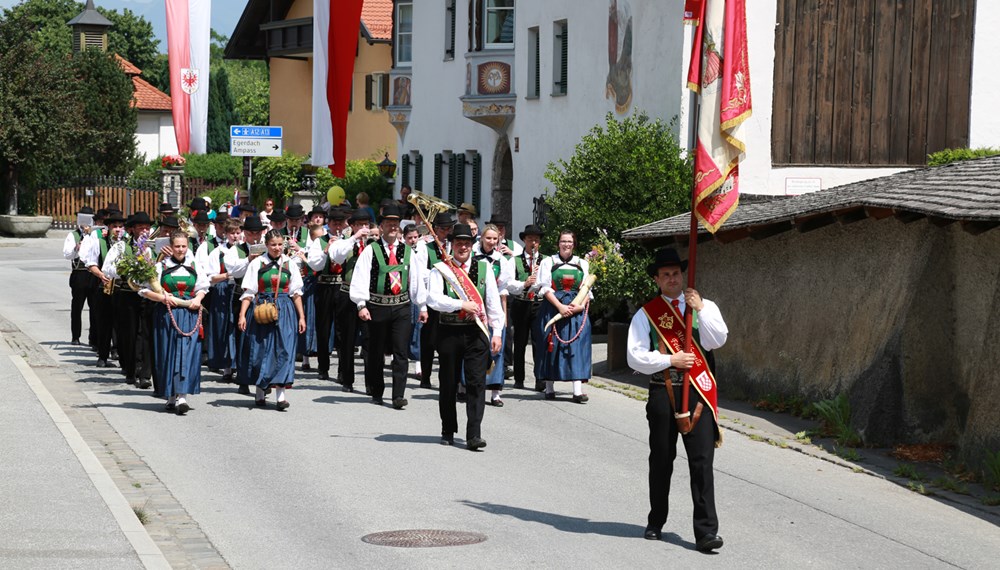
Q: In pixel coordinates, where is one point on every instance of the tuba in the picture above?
(428, 207)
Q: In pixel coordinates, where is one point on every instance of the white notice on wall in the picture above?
(796, 186)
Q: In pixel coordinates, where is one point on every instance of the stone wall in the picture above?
(904, 318)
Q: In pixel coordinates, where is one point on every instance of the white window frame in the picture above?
(487, 8)
(399, 35)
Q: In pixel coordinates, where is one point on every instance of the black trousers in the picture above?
(390, 326)
(133, 320)
(324, 298)
(428, 344)
(462, 346)
(346, 337)
(700, 448)
(83, 286)
(104, 310)
(237, 333)
(522, 317)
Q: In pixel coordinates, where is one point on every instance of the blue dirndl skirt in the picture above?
(270, 349)
(177, 357)
(566, 362)
(306, 343)
(494, 380)
(220, 332)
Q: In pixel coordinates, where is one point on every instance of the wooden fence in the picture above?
(64, 199)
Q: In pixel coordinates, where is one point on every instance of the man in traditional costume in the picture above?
(524, 302)
(345, 252)
(82, 284)
(655, 347)
(442, 224)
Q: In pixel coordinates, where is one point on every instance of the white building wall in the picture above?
(984, 119)
(549, 128)
(154, 136)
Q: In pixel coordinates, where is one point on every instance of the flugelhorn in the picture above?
(428, 207)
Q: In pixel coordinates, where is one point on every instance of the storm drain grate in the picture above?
(423, 538)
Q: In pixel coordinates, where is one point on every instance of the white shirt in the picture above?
(249, 283)
(712, 333)
(201, 282)
(516, 287)
(236, 265)
(438, 300)
(545, 273)
(90, 248)
(361, 279)
(506, 271)
(70, 251)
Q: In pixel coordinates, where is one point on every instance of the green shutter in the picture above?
(564, 72)
(418, 173)
(459, 178)
(477, 180)
(404, 169)
(438, 163)
(453, 178)
(449, 51)
(538, 63)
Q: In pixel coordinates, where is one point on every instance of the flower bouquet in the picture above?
(172, 161)
(137, 268)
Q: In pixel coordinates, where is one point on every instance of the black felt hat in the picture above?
(461, 231)
(253, 224)
(317, 211)
(114, 217)
(220, 218)
(666, 257)
(170, 222)
(295, 211)
(248, 208)
(277, 216)
(201, 218)
(532, 230)
(139, 217)
(444, 220)
(166, 207)
(86, 210)
(359, 216)
(391, 212)
(197, 204)
(338, 214)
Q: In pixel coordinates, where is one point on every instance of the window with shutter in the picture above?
(459, 159)
(534, 73)
(477, 181)
(449, 30)
(418, 173)
(438, 165)
(560, 53)
(453, 168)
(404, 171)
(368, 92)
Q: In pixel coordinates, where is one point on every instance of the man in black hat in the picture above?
(200, 221)
(442, 225)
(133, 315)
(295, 224)
(525, 301)
(94, 253)
(329, 279)
(387, 278)
(345, 252)
(82, 284)
(656, 347)
(462, 343)
(277, 221)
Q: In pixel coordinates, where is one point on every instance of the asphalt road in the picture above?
(560, 485)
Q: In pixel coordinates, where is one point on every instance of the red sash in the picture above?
(669, 325)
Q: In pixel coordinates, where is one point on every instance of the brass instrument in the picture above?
(433, 206)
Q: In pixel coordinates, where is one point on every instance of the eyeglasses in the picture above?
(570, 242)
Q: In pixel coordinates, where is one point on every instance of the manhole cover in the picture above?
(423, 538)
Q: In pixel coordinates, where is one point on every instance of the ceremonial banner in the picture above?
(720, 73)
(692, 11)
(188, 29)
(336, 28)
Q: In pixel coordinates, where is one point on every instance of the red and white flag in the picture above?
(188, 34)
(720, 73)
(336, 28)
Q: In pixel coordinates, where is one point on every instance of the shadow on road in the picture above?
(407, 438)
(574, 524)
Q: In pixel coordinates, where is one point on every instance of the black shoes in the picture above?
(496, 402)
(183, 408)
(377, 401)
(244, 389)
(282, 405)
(581, 399)
(508, 372)
(227, 378)
(348, 388)
(425, 384)
(171, 407)
(475, 444)
(709, 542)
(447, 440)
(324, 376)
(651, 533)
(550, 395)
(460, 396)
(539, 386)
(260, 403)
(130, 381)
(75, 342)
(101, 363)
(144, 383)
(519, 385)
(399, 403)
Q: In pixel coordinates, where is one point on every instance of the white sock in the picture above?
(280, 394)
(577, 388)
(550, 387)
(417, 369)
(180, 399)
(495, 395)
(260, 393)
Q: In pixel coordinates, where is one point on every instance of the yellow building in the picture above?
(281, 32)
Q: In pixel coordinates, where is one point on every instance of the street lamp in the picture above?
(308, 173)
(387, 168)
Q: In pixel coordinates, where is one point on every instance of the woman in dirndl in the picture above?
(503, 272)
(566, 352)
(176, 342)
(272, 278)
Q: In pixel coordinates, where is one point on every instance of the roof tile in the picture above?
(377, 16)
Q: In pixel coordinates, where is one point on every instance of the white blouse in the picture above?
(249, 283)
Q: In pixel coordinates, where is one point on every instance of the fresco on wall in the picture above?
(401, 91)
(619, 83)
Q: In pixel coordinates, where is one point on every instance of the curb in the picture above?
(149, 553)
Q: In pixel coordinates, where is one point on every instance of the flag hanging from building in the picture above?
(188, 34)
(720, 74)
(692, 11)
(336, 28)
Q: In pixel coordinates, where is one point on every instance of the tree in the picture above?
(131, 37)
(221, 111)
(33, 121)
(626, 174)
(248, 83)
(157, 73)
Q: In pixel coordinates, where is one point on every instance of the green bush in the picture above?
(622, 175)
(214, 168)
(276, 177)
(360, 176)
(949, 155)
(220, 195)
(835, 416)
